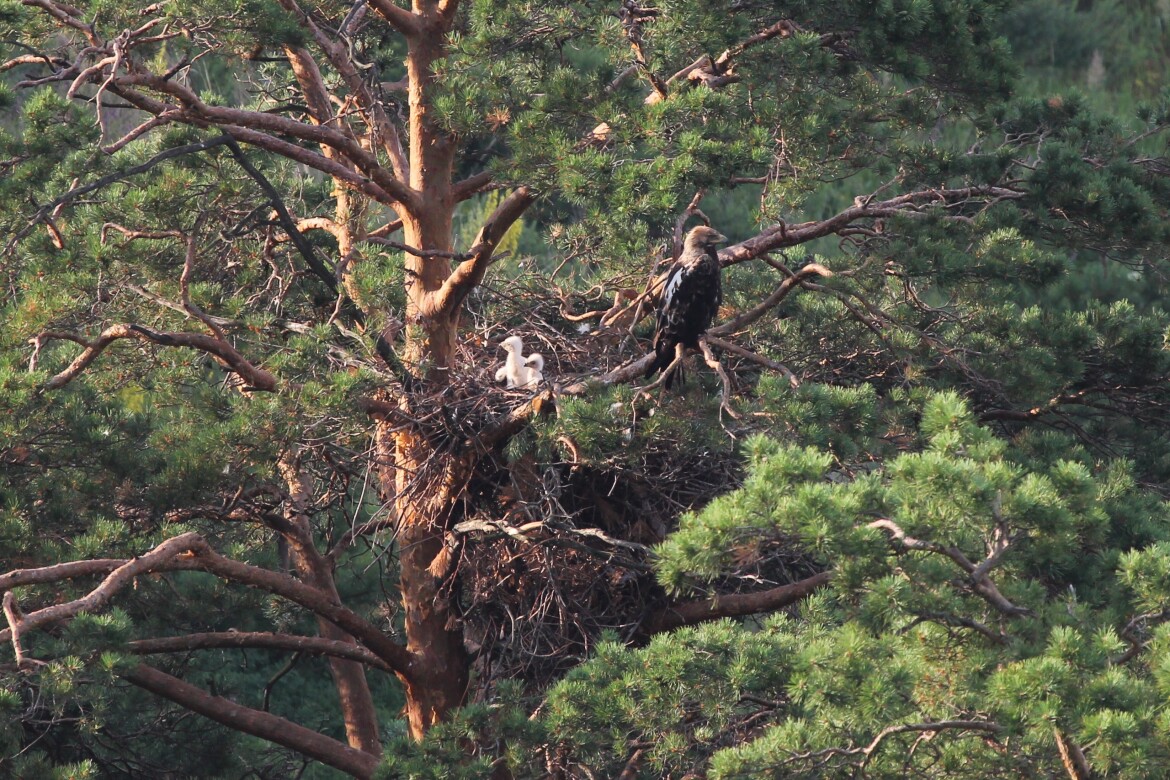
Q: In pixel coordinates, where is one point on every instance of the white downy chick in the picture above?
(514, 372)
(535, 369)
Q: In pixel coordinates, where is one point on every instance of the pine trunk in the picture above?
(422, 481)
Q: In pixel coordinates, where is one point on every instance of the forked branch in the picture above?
(190, 552)
(981, 583)
(227, 355)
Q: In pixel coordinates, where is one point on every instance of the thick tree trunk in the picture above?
(422, 481)
(426, 485)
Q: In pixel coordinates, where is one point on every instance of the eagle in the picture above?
(534, 364)
(514, 372)
(689, 302)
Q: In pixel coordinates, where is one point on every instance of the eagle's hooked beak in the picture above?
(719, 238)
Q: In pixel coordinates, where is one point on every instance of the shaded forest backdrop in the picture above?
(265, 512)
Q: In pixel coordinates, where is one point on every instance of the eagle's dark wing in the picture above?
(690, 299)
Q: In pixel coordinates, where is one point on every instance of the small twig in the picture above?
(735, 349)
(713, 363)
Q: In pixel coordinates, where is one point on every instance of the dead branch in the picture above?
(16, 628)
(680, 354)
(981, 583)
(942, 725)
(138, 132)
(714, 364)
(1136, 645)
(781, 292)
(947, 619)
(58, 572)
(767, 362)
(869, 750)
(912, 203)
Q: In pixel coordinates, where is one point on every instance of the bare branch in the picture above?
(867, 752)
(689, 613)
(470, 272)
(190, 552)
(138, 132)
(783, 235)
(942, 725)
(58, 572)
(15, 628)
(751, 315)
(714, 364)
(237, 639)
(400, 19)
(981, 583)
(226, 354)
(255, 722)
(767, 362)
(124, 573)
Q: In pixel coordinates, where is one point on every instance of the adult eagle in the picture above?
(690, 300)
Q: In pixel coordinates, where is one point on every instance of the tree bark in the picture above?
(423, 482)
(349, 677)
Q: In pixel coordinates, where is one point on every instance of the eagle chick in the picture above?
(534, 365)
(513, 371)
(690, 299)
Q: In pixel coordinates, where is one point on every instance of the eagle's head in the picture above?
(705, 238)
(536, 360)
(513, 345)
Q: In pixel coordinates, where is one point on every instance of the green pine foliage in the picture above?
(901, 637)
(976, 449)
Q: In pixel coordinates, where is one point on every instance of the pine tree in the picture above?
(260, 258)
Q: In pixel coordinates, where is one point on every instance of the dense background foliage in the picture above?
(966, 425)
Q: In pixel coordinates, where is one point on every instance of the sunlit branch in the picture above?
(227, 355)
(470, 272)
(689, 613)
